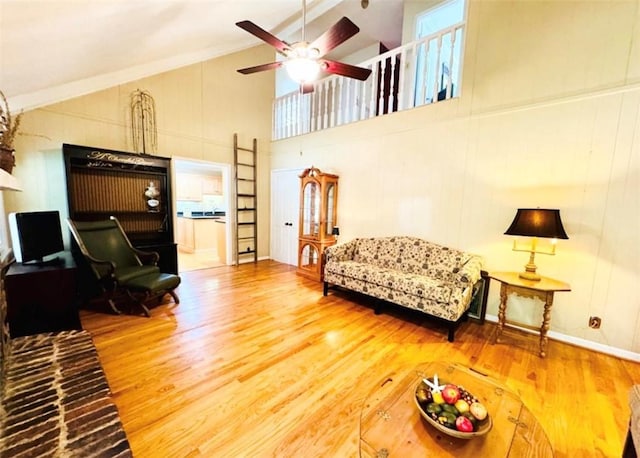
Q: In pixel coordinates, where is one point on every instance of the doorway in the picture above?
(285, 204)
(203, 217)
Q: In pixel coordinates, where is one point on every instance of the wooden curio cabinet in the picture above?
(318, 217)
(135, 188)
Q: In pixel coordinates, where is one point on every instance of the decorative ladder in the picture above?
(246, 230)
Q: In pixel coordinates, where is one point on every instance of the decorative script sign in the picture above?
(100, 156)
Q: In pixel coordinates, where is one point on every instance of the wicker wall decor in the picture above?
(144, 133)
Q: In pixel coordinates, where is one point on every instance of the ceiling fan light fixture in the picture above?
(302, 69)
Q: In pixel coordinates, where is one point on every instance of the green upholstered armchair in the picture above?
(120, 267)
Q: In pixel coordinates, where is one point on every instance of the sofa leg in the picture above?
(325, 288)
(452, 330)
(629, 450)
(378, 306)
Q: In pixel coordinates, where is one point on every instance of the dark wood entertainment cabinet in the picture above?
(102, 183)
(42, 298)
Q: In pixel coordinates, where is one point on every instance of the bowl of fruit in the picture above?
(451, 409)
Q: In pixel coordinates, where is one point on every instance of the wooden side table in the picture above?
(510, 282)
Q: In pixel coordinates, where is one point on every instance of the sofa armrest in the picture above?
(470, 272)
(343, 252)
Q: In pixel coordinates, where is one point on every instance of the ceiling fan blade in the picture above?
(306, 88)
(260, 68)
(265, 36)
(340, 32)
(342, 69)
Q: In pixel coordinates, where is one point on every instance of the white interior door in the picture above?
(285, 203)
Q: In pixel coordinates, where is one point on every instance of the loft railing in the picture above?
(418, 73)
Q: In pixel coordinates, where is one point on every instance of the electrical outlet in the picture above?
(595, 322)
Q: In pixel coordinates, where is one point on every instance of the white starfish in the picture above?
(435, 387)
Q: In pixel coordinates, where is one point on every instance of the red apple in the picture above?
(450, 394)
(463, 424)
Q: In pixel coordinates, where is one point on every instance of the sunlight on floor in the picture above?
(196, 261)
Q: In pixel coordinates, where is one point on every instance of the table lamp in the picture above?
(534, 223)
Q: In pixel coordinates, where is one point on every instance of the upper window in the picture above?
(439, 55)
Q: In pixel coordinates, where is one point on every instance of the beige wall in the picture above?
(549, 116)
(198, 109)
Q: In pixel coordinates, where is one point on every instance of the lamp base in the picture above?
(532, 276)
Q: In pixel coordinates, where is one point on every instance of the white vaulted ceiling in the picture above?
(52, 50)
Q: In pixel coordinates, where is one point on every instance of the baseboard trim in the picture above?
(247, 261)
(577, 341)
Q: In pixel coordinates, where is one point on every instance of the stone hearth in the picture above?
(56, 401)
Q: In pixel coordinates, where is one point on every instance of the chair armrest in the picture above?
(103, 269)
(343, 252)
(147, 257)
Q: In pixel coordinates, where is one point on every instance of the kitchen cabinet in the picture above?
(186, 239)
(221, 239)
(188, 187)
(205, 235)
(212, 185)
(192, 186)
(202, 235)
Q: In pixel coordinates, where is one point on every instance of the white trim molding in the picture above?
(577, 341)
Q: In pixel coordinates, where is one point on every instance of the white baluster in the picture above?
(438, 65)
(347, 103)
(312, 109)
(392, 83)
(373, 95)
(425, 73)
(319, 106)
(449, 75)
(381, 76)
(325, 120)
(401, 82)
(339, 108)
(363, 98)
(287, 115)
(274, 120)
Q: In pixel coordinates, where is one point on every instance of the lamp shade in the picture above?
(537, 222)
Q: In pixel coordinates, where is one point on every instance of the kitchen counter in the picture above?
(200, 217)
(198, 233)
(203, 215)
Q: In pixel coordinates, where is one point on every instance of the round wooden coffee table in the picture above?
(391, 425)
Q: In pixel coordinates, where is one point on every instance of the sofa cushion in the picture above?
(411, 255)
(418, 285)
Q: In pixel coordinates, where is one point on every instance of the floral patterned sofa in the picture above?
(410, 272)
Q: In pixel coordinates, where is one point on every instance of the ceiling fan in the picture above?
(304, 60)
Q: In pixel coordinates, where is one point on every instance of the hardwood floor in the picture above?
(197, 261)
(256, 362)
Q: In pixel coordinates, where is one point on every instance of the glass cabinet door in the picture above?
(311, 209)
(331, 213)
(310, 257)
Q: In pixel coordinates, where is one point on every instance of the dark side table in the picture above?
(42, 298)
